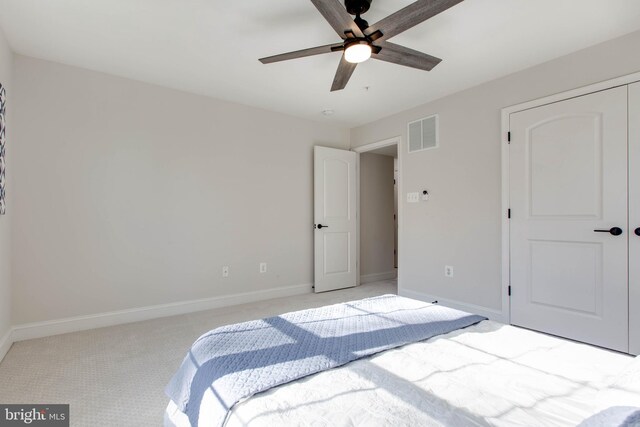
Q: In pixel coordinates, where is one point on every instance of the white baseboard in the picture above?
(489, 313)
(81, 323)
(5, 343)
(377, 277)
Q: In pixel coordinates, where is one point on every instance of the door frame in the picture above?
(397, 140)
(506, 166)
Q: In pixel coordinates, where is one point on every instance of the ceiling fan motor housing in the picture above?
(357, 7)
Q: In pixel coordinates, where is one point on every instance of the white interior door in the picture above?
(634, 218)
(568, 178)
(335, 227)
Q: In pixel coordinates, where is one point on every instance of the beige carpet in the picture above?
(116, 376)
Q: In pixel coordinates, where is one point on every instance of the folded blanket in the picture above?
(616, 416)
(237, 361)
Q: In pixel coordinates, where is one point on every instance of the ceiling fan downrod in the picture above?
(361, 23)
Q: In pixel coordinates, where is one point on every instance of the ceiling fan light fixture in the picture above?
(357, 52)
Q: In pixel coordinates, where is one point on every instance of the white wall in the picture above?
(460, 224)
(376, 216)
(133, 195)
(6, 66)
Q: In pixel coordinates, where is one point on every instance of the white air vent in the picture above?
(423, 134)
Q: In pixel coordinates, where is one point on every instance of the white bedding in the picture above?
(487, 374)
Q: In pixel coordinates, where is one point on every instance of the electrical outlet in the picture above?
(448, 271)
(263, 267)
(225, 271)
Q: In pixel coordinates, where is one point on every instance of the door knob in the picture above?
(637, 231)
(616, 231)
(320, 226)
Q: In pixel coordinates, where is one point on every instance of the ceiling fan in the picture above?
(361, 41)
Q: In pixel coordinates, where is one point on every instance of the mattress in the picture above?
(486, 374)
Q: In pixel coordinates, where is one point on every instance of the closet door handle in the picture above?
(320, 226)
(615, 231)
(637, 231)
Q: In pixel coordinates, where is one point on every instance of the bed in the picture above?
(482, 374)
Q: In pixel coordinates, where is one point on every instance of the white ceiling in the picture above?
(212, 47)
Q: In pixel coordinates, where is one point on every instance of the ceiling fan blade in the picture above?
(410, 16)
(345, 70)
(404, 56)
(302, 53)
(338, 17)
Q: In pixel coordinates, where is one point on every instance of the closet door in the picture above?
(568, 188)
(634, 218)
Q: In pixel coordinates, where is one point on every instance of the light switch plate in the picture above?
(413, 197)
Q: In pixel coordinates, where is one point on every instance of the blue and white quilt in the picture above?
(237, 361)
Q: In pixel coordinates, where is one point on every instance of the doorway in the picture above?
(379, 189)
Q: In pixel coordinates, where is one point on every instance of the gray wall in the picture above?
(376, 214)
(6, 66)
(134, 195)
(461, 224)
